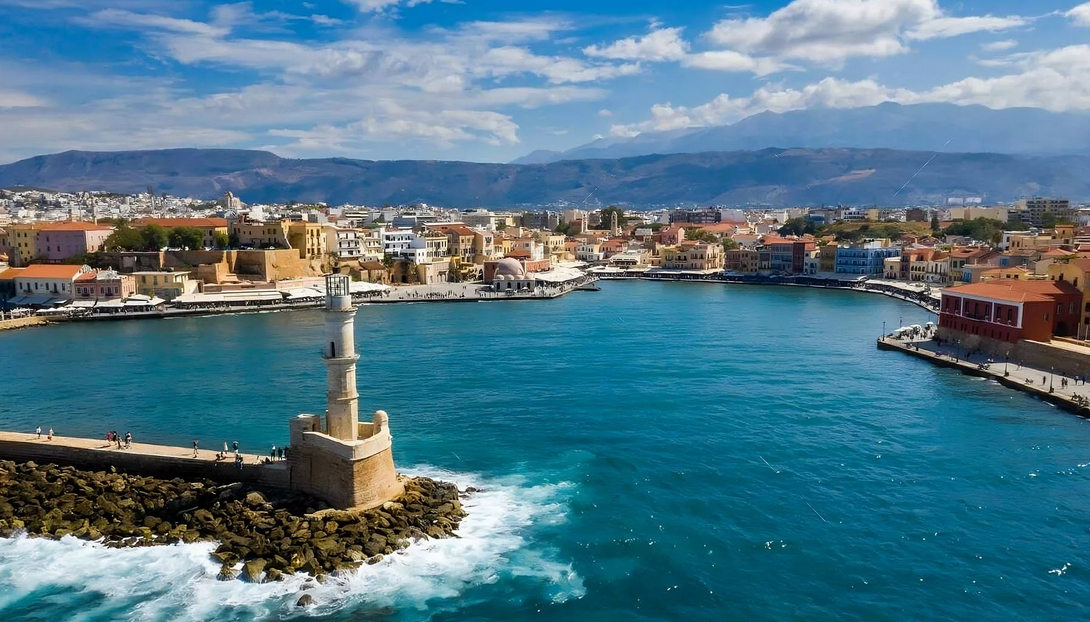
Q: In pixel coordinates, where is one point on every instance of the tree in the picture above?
(388, 261)
(221, 240)
(154, 237)
(564, 228)
(189, 238)
(1050, 220)
(983, 229)
(700, 235)
(798, 226)
(729, 244)
(935, 227)
(607, 216)
(124, 238)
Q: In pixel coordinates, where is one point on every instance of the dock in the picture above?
(1043, 384)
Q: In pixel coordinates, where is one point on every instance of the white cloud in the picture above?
(999, 46)
(605, 112)
(945, 27)
(663, 44)
(119, 18)
(1080, 15)
(1057, 80)
(831, 31)
(729, 60)
(18, 99)
(826, 30)
(509, 60)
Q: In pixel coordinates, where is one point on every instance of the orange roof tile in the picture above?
(50, 271)
(11, 273)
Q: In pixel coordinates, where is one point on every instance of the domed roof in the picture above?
(510, 267)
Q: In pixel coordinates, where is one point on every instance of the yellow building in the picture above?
(307, 238)
(165, 285)
(257, 234)
(693, 256)
(23, 239)
(1076, 272)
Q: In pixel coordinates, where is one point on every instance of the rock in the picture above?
(255, 499)
(272, 575)
(374, 560)
(306, 600)
(251, 570)
(227, 573)
(375, 546)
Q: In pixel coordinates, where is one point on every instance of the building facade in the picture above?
(1010, 310)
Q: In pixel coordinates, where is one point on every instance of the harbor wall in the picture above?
(1028, 353)
(134, 461)
(22, 322)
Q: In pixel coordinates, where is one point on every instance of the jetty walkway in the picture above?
(1043, 383)
(163, 461)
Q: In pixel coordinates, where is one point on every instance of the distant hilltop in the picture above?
(774, 177)
(921, 127)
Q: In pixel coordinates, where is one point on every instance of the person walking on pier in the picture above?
(194, 448)
(128, 439)
(50, 437)
(39, 433)
(236, 448)
(272, 453)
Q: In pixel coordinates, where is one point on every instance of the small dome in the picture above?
(511, 268)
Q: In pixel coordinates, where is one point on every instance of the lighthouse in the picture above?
(346, 463)
(342, 410)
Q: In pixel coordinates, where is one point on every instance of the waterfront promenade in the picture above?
(1044, 383)
(159, 460)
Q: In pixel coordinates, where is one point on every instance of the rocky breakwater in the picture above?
(263, 534)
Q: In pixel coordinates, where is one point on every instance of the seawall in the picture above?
(786, 282)
(995, 372)
(150, 460)
(23, 322)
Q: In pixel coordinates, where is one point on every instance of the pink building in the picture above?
(104, 285)
(62, 240)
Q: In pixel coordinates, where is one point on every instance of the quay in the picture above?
(161, 461)
(1044, 384)
(900, 291)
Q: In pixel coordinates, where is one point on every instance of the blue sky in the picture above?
(485, 80)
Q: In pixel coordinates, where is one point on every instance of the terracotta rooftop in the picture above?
(1016, 291)
(50, 271)
(11, 273)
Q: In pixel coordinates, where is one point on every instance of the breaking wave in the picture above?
(75, 580)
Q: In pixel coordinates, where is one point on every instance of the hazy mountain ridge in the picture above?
(766, 177)
(921, 127)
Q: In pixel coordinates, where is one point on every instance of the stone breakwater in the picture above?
(263, 535)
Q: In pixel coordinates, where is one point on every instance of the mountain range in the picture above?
(767, 177)
(921, 127)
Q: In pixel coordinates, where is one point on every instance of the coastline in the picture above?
(1015, 380)
(785, 281)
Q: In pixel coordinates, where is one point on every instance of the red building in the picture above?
(1010, 310)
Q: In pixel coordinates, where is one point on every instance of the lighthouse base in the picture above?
(356, 474)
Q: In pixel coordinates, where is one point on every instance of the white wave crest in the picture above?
(179, 582)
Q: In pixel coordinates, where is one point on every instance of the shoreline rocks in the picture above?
(263, 534)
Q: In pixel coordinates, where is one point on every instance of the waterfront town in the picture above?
(996, 276)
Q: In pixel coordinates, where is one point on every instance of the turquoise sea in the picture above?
(653, 451)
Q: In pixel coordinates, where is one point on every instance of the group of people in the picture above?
(39, 432)
(113, 437)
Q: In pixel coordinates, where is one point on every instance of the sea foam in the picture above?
(87, 581)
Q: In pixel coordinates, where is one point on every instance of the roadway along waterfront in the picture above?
(652, 451)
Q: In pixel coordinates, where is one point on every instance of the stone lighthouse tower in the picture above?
(346, 463)
(342, 417)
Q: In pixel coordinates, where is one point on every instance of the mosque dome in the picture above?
(510, 269)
